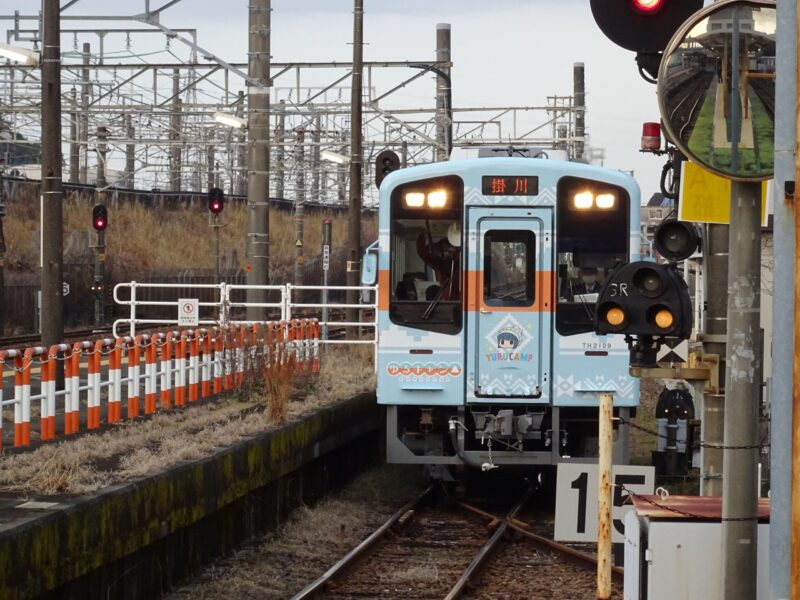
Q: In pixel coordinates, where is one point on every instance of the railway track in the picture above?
(685, 112)
(34, 339)
(435, 547)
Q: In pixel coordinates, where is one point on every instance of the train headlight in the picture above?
(605, 201)
(583, 200)
(437, 199)
(415, 199)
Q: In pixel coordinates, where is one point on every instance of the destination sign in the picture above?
(510, 185)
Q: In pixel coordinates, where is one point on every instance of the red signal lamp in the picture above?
(99, 217)
(648, 6)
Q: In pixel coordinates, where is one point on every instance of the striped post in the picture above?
(49, 423)
(270, 355)
(205, 344)
(239, 345)
(166, 368)
(115, 382)
(315, 342)
(22, 425)
(95, 366)
(180, 366)
(219, 360)
(194, 365)
(227, 340)
(134, 359)
(73, 376)
(27, 364)
(150, 373)
(282, 345)
(47, 390)
(15, 359)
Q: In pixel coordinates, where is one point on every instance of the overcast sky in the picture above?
(504, 52)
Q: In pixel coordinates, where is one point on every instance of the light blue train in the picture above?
(488, 273)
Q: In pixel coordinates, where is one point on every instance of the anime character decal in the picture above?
(507, 340)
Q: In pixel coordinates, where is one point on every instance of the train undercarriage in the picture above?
(488, 437)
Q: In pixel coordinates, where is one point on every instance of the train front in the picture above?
(488, 274)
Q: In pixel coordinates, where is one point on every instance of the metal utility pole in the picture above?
(739, 481)
(83, 122)
(100, 249)
(2, 260)
(241, 154)
(130, 153)
(715, 256)
(74, 146)
(315, 159)
(210, 175)
(280, 151)
(175, 134)
(579, 100)
(299, 206)
(444, 123)
(258, 156)
(52, 224)
(784, 539)
(354, 214)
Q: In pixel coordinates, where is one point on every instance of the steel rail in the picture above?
(317, 587)
(484, 555)
(576, 557)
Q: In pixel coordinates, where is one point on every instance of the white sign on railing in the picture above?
(188, 312)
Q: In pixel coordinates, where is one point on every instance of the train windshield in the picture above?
(592, 238)
(426, 255)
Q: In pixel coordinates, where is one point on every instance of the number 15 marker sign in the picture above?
(576, 499)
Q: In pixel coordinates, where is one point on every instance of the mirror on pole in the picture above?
(716, 89)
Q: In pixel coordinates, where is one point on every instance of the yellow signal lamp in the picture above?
(415, 199)
(437, 199)
(664, 319)
(615, 316)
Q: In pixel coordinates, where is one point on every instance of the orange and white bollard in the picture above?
(167, 351)
(205, 372)
(73, 384)
(239, 344)
(180, 370)
(194, 366)
(219, 361)
(15, 358)
(134, 358)
(115, 382)
(93, 401)
(150, 373)
(315, 343)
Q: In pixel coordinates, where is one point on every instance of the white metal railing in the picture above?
(227, 300)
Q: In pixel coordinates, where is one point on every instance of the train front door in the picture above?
(510, 303)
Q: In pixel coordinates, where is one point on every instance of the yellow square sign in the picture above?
(706, 197)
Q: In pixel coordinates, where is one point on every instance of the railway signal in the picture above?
(386, 162)
(99, 217)
(648, 303)
(216, 200)
(643, 26)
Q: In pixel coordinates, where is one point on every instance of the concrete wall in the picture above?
(139, 539)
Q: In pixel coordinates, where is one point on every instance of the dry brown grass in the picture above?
(281, 563)
(345, 371)
(142, 447)
(141, 240)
